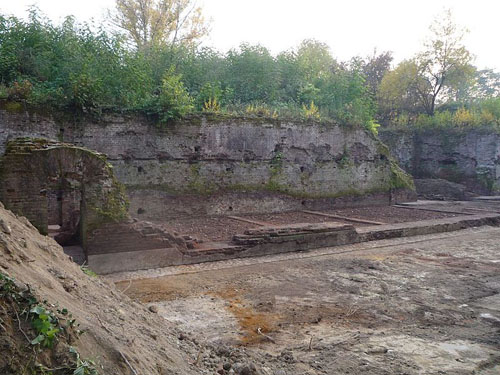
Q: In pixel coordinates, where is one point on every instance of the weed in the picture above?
(259, 110)
(46, 325)
(83, 367)
(87, 271)
(311, 112)
(212, 105)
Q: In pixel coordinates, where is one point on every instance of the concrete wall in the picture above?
(225, 156)
(470, 157)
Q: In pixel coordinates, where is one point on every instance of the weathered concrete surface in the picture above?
(417, 228)
(470, 157)
(421, 305)
(203, 156)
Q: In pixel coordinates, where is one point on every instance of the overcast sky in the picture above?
(349, 27)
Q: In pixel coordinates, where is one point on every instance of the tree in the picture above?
(252, 74)
(434, 75)
(444, 64)
(486, 85)
(398, 92)
(375, 67)
(156, 22)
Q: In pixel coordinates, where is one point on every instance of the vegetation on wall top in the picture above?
(154, 65)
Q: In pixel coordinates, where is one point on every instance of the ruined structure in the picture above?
(466, 156)
(200, 166)
(53, 183)
(74, 189)
(237, 165)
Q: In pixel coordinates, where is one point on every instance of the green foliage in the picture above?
(83, 68)
(252, 74)
(438, 75)
(173, 101)
(490, 108)
(372, 127)
(4, 93)
(211, 94)
(87, 271)
(211, 106)
(83, 367)
(259, 110)
(20, 90)
(46, 326)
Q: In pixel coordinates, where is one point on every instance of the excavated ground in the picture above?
(223, 228)
(418, 305)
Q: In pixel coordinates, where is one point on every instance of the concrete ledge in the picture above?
(382, 232)
(134, 260)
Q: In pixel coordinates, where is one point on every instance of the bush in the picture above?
(465, 117)
(173, 101)
(20, 90)
(83, 68)
(209, 93)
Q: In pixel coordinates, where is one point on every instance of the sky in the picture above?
(349, 27)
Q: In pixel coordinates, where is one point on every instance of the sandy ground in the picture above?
(419, 305)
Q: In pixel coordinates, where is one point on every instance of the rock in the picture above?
(287, 356)
(226, 366)
(377, 350)
(5, 227)
(153, 309)
(245, 369)
(440, 189)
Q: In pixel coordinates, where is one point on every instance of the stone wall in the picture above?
(35, 173)
(469, 157)
(51, 182)
(220, 157)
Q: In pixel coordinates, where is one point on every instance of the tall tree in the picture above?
(375, 67)
(156, 22)
(444, 64)
(434, 75)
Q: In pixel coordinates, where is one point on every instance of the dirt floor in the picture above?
(223, 228)
(419, 305)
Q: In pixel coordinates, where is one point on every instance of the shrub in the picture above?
(209, 92)
(4, 93)
(372, 127)
(173, 101)
(464, 117)
(20, 90)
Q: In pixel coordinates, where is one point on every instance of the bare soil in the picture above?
(223, 228)
(420, 305)
(121, 336)
(207, 228)
(390, 214)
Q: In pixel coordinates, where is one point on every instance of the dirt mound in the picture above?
(54, 316)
